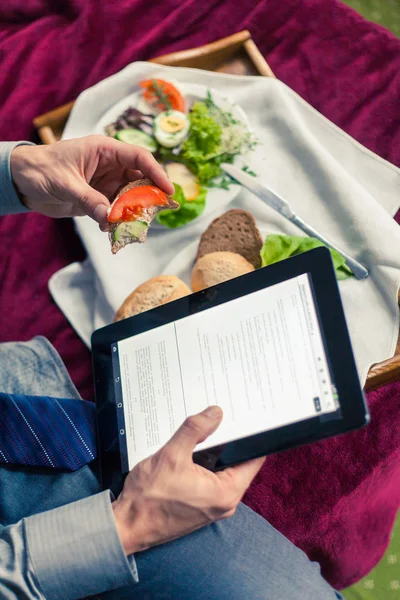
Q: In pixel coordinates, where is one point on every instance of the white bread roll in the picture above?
(217, 267)
(152, 293)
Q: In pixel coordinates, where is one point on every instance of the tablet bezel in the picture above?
(318, 264)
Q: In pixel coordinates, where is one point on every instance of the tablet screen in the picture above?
(271, 348)
(261, 357)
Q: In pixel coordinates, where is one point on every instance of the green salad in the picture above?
(190, 144)
(214, 137)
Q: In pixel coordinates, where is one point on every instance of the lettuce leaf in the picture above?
(201, 151)
(205, 133)
(278, 247)
(188, 209)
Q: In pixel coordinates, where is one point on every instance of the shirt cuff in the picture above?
(76, 552)
(9, 201)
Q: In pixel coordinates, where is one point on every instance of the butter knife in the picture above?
(283, 208)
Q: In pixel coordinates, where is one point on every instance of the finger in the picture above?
(110, 186)
(133, 174)
(103, 227)
(193, 431)
(136, 158)
(242, 475)
(76, 212)
(92, 203)
(59, 211)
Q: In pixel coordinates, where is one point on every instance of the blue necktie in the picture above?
(50, 432)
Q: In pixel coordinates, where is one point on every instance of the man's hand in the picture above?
(167, 496)
(80, 177)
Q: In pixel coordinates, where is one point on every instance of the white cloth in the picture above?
(345, 191)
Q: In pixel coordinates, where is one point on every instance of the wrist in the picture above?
(137, 526)
(124, 526)
(18, 163)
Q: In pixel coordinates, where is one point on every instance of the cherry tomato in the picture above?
(163, 95)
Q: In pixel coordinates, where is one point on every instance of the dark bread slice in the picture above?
(234, 231)
(147, 217)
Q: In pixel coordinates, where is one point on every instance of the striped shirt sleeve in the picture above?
(67, 553)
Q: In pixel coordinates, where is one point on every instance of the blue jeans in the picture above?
(243, 557)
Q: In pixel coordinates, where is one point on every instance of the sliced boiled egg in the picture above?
(171, 128)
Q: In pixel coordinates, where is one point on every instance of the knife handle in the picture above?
(358, 269)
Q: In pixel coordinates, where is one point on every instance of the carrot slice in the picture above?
(131, 204)
(162, 94)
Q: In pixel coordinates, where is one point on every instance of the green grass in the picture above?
(383, 12)
(383, 582)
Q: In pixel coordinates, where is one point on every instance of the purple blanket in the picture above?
(336, 499)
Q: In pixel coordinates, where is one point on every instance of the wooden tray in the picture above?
(235, 54)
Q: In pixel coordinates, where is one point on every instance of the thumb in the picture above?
(93, 203)
(194, 431)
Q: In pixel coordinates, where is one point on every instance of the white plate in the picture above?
(216, 198)
(182, 264)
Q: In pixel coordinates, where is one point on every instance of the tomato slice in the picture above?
(162, 94)
(130, 205)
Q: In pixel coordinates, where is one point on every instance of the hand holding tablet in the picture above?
(270, 347)
(167, 496)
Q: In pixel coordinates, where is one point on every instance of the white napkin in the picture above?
(345, 191)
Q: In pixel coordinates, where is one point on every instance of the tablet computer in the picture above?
(270, 347)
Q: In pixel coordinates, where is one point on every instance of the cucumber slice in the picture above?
(138, 138)
(129, 229)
